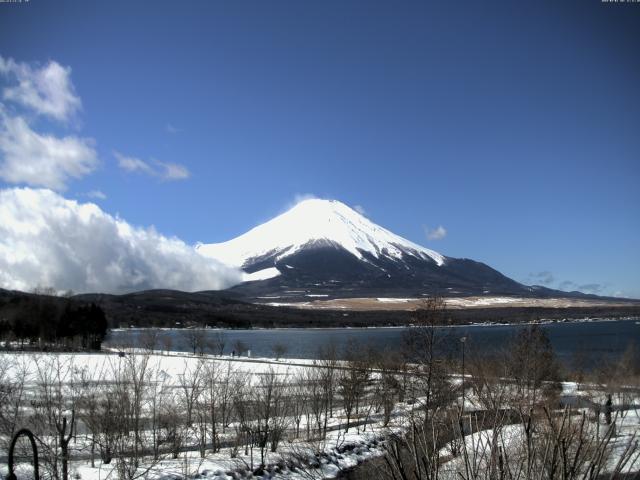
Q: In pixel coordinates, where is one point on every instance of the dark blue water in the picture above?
(594, 340)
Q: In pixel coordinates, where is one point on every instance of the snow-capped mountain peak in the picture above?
(316, 221)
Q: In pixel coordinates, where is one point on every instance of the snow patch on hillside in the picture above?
(263, 274)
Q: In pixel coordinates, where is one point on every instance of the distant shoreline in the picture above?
(390, 327)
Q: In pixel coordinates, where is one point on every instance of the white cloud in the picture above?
(171, 129)
(297, 198)
(301, 197)
(46, 90)
(172, 171)
(46, 239)
(162, 170)
(132, 164)
(98, 194)
(31, 157)
(360, 209)
(42, 160)
(437, 233)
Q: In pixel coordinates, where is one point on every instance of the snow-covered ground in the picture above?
(296, 458)
(101, 366)
(315, 459)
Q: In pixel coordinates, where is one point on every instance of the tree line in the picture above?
(43, 321)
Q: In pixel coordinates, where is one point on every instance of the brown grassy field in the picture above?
(409, 304)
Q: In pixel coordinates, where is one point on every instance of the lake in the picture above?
(595, 340)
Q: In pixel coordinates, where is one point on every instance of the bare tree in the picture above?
(271, 411)
(172, 424)
(281, 408)
(231, 381)
(388, 386)
(209, 408)
(167, 343)
(149, 340)
(89, 412)
(239, 347)
(191, 386)
(488, 381)
(533, 367)
(279, 349)
(352, 381)
(563, 447)
(318, 405)
(298, 400)
(244, 424)
(196, 339)
(158, 395)
(322, 381)
(99, 414)
(619, 378)
(417, 453)
(131, 383)
(218, 342)
(55, 412)
(14, 373)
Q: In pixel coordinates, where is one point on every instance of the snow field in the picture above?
(323, 458)
(316, 459)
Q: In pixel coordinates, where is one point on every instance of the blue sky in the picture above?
(513, 125)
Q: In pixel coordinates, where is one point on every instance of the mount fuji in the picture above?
(324, 248)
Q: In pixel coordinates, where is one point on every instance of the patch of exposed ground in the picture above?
(408, 304)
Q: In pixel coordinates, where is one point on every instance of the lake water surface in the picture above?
(595, 340)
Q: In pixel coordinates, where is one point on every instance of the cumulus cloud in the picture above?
(46, 239)
(437, 233)
(47, 90)
(41, 160)
(162, 170)
(31, 157)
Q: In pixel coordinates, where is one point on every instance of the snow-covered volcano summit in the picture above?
(311, 223)
(323, 248)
